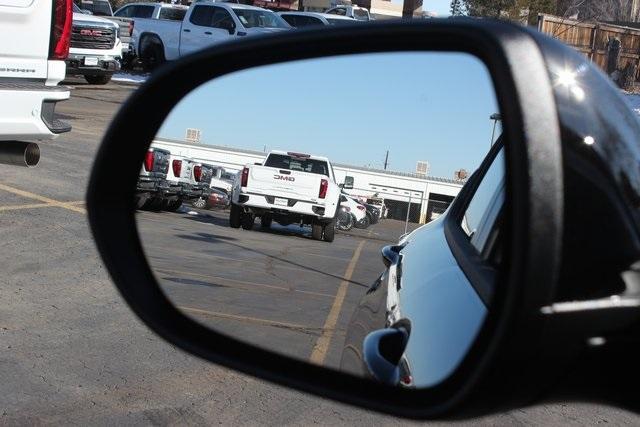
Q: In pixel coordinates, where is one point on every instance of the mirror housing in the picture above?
(505, 352)
(348, 182)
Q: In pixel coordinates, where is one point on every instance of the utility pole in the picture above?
(386, 160)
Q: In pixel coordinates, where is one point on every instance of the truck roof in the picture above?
(289, 153)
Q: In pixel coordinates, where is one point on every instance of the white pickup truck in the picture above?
(287, 188)
(206, 23)
(34, 42)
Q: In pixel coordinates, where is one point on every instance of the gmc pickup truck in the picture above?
(206, 23)
(152, 182)
(96, 50)
(287, 188)
(34, 42)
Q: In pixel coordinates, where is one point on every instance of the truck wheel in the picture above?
(316, 231)
(247, 221)
(140, 201)
(199, 203)
(171, 205)
(154, 204)
(364, 222)
(98, 80)
(235, 216)
(329, 231)
(265, 221)
(152, 56)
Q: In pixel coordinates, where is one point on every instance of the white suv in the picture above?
(34, 41)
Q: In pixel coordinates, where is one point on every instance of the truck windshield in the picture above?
(251, 18)
(283, 161)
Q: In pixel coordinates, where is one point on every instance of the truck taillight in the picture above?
(245, 177)
(324, 185)
(131, 25)
(177, 167)
(197, 173)
(61, 29)
(360, 207)
(148, 161)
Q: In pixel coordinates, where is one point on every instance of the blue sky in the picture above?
(419, 106)
(441, 7)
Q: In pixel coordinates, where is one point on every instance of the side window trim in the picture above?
(481, 275)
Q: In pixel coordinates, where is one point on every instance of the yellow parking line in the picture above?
(65, 205)
(319, 352)
(246, 319)
(28, 206)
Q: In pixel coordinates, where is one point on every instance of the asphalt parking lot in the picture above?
(275, 287)
(73, 353)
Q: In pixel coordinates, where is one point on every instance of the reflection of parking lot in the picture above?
(277, 287)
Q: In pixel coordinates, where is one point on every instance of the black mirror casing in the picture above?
(505, 353)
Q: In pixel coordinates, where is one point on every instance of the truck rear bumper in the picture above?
(267, 204)
(27, 111)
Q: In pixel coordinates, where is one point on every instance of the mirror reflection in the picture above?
(302, 207)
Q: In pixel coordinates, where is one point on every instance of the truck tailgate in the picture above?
(284, 183)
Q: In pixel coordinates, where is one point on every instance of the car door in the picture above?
(207, 25)
(444, 304)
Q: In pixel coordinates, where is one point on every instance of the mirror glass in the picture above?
(301, 208)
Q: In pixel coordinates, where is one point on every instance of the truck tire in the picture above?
(98, 80)
(235, 216)
(265, 221)
(316, 231)
(329, 231)
(152, 55)
(363, 223)
(154, 204)
(140, 202)
(247, 221)
(171, 205)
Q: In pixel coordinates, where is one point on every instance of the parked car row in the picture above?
(168, 180)
(354, 213)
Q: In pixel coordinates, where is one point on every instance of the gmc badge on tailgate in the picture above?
(284, 178)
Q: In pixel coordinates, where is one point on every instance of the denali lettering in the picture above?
(284, 177)
(91, 32)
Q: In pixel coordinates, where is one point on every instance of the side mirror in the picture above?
(476, 293)
(348, 182)
(341, 186)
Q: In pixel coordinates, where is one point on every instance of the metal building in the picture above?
(424, 198)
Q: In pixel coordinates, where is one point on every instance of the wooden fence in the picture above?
(591, 38)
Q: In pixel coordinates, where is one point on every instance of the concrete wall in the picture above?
(366, 182)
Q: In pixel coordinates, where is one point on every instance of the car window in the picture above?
(221, 18)
(291, 19)
(201, 15)
(143, 11)
(303, 164)
(360, 14)
(484, 209)
(98, 8)
(339, 11)
(125, 12)
(257, 18)
(172, 14)
(333, 21)
(306, 21)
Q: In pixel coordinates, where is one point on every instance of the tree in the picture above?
(598, 10)
(458, 8)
